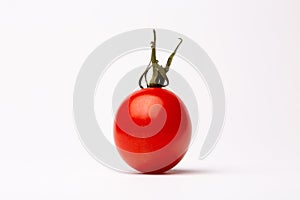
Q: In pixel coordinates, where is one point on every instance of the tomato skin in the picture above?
(152, 130)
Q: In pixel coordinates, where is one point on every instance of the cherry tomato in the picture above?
(152, 130)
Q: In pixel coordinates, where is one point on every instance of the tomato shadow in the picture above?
(191, 172)
(182, 172)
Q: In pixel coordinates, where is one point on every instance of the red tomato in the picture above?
(152, 130)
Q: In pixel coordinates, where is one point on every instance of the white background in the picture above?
(255, 46)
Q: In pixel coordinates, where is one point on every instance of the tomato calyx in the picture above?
(159, 73)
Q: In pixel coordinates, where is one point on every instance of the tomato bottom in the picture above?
(154, 162)
(165, 169)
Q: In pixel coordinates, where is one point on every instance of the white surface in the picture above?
(254, 44)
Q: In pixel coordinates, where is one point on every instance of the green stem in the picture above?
(159, 73)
